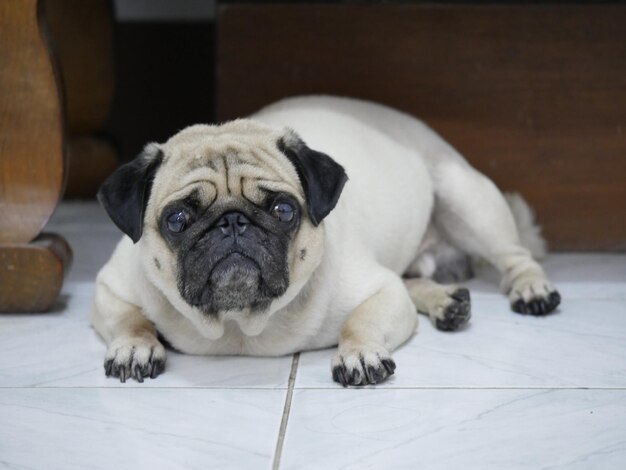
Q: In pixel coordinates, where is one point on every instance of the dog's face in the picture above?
(227, 219)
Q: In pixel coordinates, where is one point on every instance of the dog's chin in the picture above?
(235, 286)
(235, 283)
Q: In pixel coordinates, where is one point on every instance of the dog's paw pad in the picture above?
(134, 358)
(456, 313)
(362, 368)
(537, 305)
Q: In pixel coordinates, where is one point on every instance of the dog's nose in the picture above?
(233, 223)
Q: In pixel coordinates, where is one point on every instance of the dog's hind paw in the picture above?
(366, 366)
(537, 305)
(534, 295)
(456, 312)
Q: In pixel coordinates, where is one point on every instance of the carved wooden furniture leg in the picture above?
(32, 162)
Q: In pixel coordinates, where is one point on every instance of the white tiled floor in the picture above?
(508, 392)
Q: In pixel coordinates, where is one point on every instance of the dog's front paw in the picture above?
(534, 296)
(362, 366)
(135, 357)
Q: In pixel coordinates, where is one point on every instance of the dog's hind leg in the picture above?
(473, 214)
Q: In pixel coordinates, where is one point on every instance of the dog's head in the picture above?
(227, 218)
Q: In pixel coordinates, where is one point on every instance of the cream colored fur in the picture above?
(349, 289)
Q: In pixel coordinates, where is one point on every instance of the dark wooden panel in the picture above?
(164, 76)
(82, 37)
(92, 159)
(533, 96)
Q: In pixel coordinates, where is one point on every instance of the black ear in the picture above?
(322, 177)
(125, 193)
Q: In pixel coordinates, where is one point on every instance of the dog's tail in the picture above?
(529, 231)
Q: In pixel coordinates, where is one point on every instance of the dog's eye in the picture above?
(178, 221)
(283, 212)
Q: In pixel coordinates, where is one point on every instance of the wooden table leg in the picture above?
(32, 161)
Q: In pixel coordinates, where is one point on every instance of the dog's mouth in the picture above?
(234, 291)
(236, 282)
(235, 276)
(232, 260)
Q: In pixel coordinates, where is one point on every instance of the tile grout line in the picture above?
(133, 387)
(464, 388)
(333, 387)
(285, 419)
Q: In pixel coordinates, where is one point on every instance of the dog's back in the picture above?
(388, 172)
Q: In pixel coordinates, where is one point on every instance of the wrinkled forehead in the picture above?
(224, 161)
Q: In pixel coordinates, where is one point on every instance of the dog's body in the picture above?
(408, 196)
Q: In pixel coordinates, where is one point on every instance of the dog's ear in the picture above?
(322, 178)
(125, 193)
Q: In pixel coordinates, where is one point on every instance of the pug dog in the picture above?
(318, 221)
